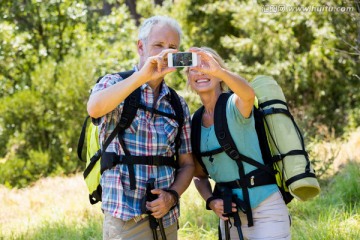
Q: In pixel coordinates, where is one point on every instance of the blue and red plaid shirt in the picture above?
(148, 135)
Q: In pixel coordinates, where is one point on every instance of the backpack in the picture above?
(268, 173)
(98, 160)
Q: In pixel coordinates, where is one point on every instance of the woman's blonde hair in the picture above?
(217, 57)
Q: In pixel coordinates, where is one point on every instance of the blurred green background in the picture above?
(52, 52)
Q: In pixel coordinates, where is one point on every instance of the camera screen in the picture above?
(182, 59)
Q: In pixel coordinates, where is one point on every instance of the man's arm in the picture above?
(184, 173)
(106, 100)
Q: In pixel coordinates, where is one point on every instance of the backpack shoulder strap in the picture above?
(112, 135)
(131, 105)
(227, 143)
(82, 139)
(221, 127)
(175, 103)
(196, 136)
(223, 135)
(127, 117)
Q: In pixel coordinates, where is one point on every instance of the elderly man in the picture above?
(151, 134)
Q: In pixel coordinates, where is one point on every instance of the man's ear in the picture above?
(140, 47)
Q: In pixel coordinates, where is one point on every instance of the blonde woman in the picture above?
(259, 209)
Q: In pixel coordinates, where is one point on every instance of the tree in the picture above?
(41, 116)
(308, 51)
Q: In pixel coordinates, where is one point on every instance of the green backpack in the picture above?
(97, 160)
(266, 173)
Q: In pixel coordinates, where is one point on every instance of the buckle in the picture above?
(234, 154)
(96, 156)
(277, 157)
(227, 147)
(240, 183)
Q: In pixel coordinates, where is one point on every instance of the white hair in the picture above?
(147, 25)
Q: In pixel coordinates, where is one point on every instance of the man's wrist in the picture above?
(175, 195)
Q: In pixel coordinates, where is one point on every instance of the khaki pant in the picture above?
(271, 221)
(116, 229)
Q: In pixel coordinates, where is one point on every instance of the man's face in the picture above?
(161, 37)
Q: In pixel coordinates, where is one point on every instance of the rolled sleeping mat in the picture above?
(284, 137)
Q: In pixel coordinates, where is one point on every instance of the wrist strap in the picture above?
(175, 194)
(209, 200)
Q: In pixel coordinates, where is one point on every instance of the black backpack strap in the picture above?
(279, 157)
(142, 160)
(128, 114)
(120, 127)
(269, 160)
(82, 139)
(223, 135)
(179, 114)
(196, 136)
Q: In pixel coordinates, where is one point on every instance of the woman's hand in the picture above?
(217, 205)
(207, 63)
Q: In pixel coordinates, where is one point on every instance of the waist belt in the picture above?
(110, 160)
(255, 178)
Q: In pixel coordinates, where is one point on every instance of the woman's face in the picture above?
(201, 82)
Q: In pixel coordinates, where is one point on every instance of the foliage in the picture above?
(310, 53)
(41, 118)
(53, 51)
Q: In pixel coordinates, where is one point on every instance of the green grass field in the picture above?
(58, 208)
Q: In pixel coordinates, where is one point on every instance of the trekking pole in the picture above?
(162, 229)
(227, 230)
(151, 197)
(226, 195)
(237, 223)
(153, 226)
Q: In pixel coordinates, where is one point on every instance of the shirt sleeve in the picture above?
(107, 81)
(235, 113)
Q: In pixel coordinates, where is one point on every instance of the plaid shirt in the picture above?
(147, 135)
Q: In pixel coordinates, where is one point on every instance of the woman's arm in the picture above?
(202, 184)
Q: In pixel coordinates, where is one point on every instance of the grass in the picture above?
(54, 208)
(58, 208)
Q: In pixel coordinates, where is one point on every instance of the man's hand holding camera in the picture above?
(156, 67)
